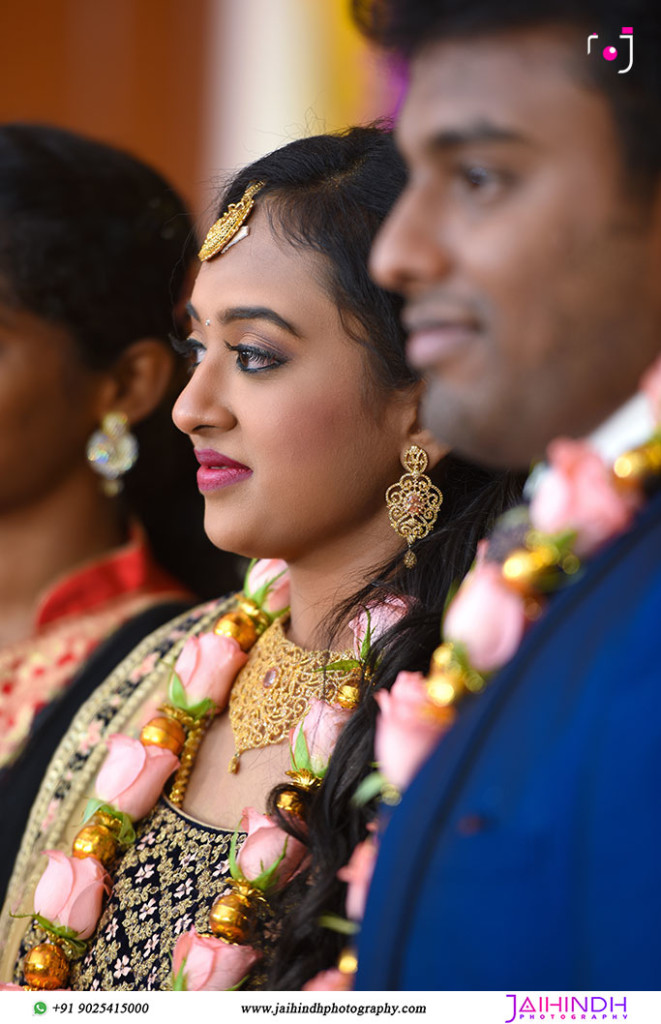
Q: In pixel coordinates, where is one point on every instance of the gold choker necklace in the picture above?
(272, 691)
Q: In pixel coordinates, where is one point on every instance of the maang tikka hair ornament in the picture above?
(111, 451)
(413, 502)
(227, 228)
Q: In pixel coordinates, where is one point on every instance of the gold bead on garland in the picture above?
(46, 967)
(234, 915)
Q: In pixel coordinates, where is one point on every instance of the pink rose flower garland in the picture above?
(375, 620)
(267, 584)
(269, 857)
(487, 617)
(207, 667)
(70, 893)
(266, 862)
(201, 962)
(313, 740)
(133, 775)
(69, 896)
(580, 504)
(408, 729)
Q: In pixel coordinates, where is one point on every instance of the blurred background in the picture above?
(195, 87)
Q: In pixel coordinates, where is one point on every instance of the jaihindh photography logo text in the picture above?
(555, 1007)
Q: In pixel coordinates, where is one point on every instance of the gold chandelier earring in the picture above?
(414, 502)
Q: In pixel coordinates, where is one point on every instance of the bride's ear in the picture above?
(435, 449)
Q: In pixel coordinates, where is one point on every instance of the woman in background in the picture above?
(95, 248)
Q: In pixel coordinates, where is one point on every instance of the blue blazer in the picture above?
(526, 854)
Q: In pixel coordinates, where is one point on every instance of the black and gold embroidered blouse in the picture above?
(164, 884)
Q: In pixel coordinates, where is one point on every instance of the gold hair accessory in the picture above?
(272, 691)
(413, 502)
(223, 231)
(111, 451)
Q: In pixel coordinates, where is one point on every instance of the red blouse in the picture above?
(72, 617)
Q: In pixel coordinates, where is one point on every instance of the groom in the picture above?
(527, 245)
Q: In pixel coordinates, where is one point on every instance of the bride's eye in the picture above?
(191, 349)
(253, 359)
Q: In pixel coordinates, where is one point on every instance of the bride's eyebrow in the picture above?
(258, 313)
(248, 313)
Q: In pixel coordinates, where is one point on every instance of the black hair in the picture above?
(330, 194)
(96, 242)
(408, 26)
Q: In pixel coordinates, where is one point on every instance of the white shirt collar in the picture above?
(629, 426)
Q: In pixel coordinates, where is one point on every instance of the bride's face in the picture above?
(296, 445)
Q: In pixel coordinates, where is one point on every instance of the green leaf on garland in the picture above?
(259, 595)
(235, 871)
(179, 980)
(177, 693)
(201, 709)
(235, 988)
(58, 931)
(335, 923)
(267, 878)
(369, 788)
(92, 806)
(126, 834)
(253, 563)
(301, 754)
(343, 665)
(367, 639)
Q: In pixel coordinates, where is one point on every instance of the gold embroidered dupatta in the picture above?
(127, 698)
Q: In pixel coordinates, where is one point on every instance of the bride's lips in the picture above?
(217, 470)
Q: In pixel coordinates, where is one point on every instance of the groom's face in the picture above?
(529, 266)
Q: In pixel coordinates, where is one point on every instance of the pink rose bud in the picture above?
(577, 494)
(357, 873)
(263, 846)
(332, 980)
(207, 666)
(651, 386)
(70, 892)
(132, 776)
(271, 571)
(10, 987)
(381, 617)
(487, 617)
(210, 964)
(321, 727)
(406, 731)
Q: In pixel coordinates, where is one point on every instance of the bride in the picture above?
(303, 416)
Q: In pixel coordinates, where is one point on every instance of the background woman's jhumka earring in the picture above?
(413, 502)
(111, 451)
